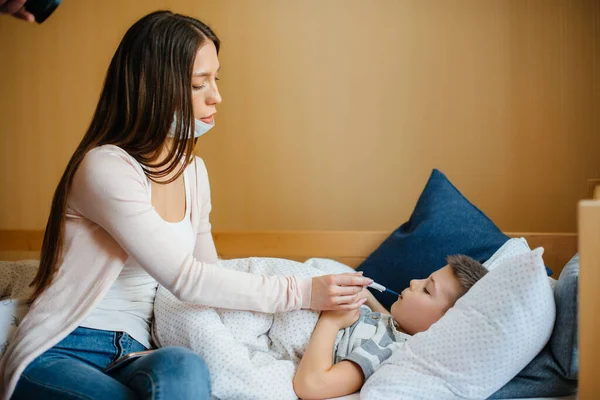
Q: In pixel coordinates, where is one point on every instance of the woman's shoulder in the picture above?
(108, 152)
(199, 178)
(108, 166)
(109, 159)
(198, 169)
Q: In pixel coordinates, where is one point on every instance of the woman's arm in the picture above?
(110, 190)
(317, 377)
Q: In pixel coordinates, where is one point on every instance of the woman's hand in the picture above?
(341, 319)
(338, 292)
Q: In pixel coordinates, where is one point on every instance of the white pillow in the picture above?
(481, 343)
(512, 247)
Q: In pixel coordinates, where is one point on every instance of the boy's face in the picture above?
(426, 300)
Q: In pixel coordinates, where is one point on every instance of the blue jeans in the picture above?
(73, 369)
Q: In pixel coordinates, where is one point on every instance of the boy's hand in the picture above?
(341, 319)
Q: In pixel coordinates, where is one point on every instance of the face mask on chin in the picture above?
(200, 128)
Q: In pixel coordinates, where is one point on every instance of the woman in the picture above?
(130, 212)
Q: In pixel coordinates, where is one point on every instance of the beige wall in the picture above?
(336, 111)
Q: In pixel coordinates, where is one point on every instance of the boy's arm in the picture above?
(373, 303)
(317, 377)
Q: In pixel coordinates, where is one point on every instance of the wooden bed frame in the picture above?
(351, 247)
(348, 247)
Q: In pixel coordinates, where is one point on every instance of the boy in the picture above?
(361, 340)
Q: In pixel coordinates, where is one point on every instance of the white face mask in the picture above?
(200, 128)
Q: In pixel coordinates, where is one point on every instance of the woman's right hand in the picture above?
(339, 292)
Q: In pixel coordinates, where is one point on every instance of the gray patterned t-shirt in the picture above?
(369, 341)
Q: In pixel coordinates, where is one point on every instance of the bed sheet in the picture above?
(356, 396)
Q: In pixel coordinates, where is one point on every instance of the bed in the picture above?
(351, 247)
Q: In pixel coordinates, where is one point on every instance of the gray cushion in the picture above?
(564, 341)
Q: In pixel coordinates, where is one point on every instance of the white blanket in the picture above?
(250, 355)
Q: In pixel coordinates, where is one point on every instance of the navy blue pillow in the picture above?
(443, 222)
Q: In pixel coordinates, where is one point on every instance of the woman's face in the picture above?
(205, 93)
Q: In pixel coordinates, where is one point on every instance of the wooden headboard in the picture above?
(348, 247)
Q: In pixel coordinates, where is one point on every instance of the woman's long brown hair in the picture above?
(148, 82)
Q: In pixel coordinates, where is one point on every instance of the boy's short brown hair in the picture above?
(467, 270)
